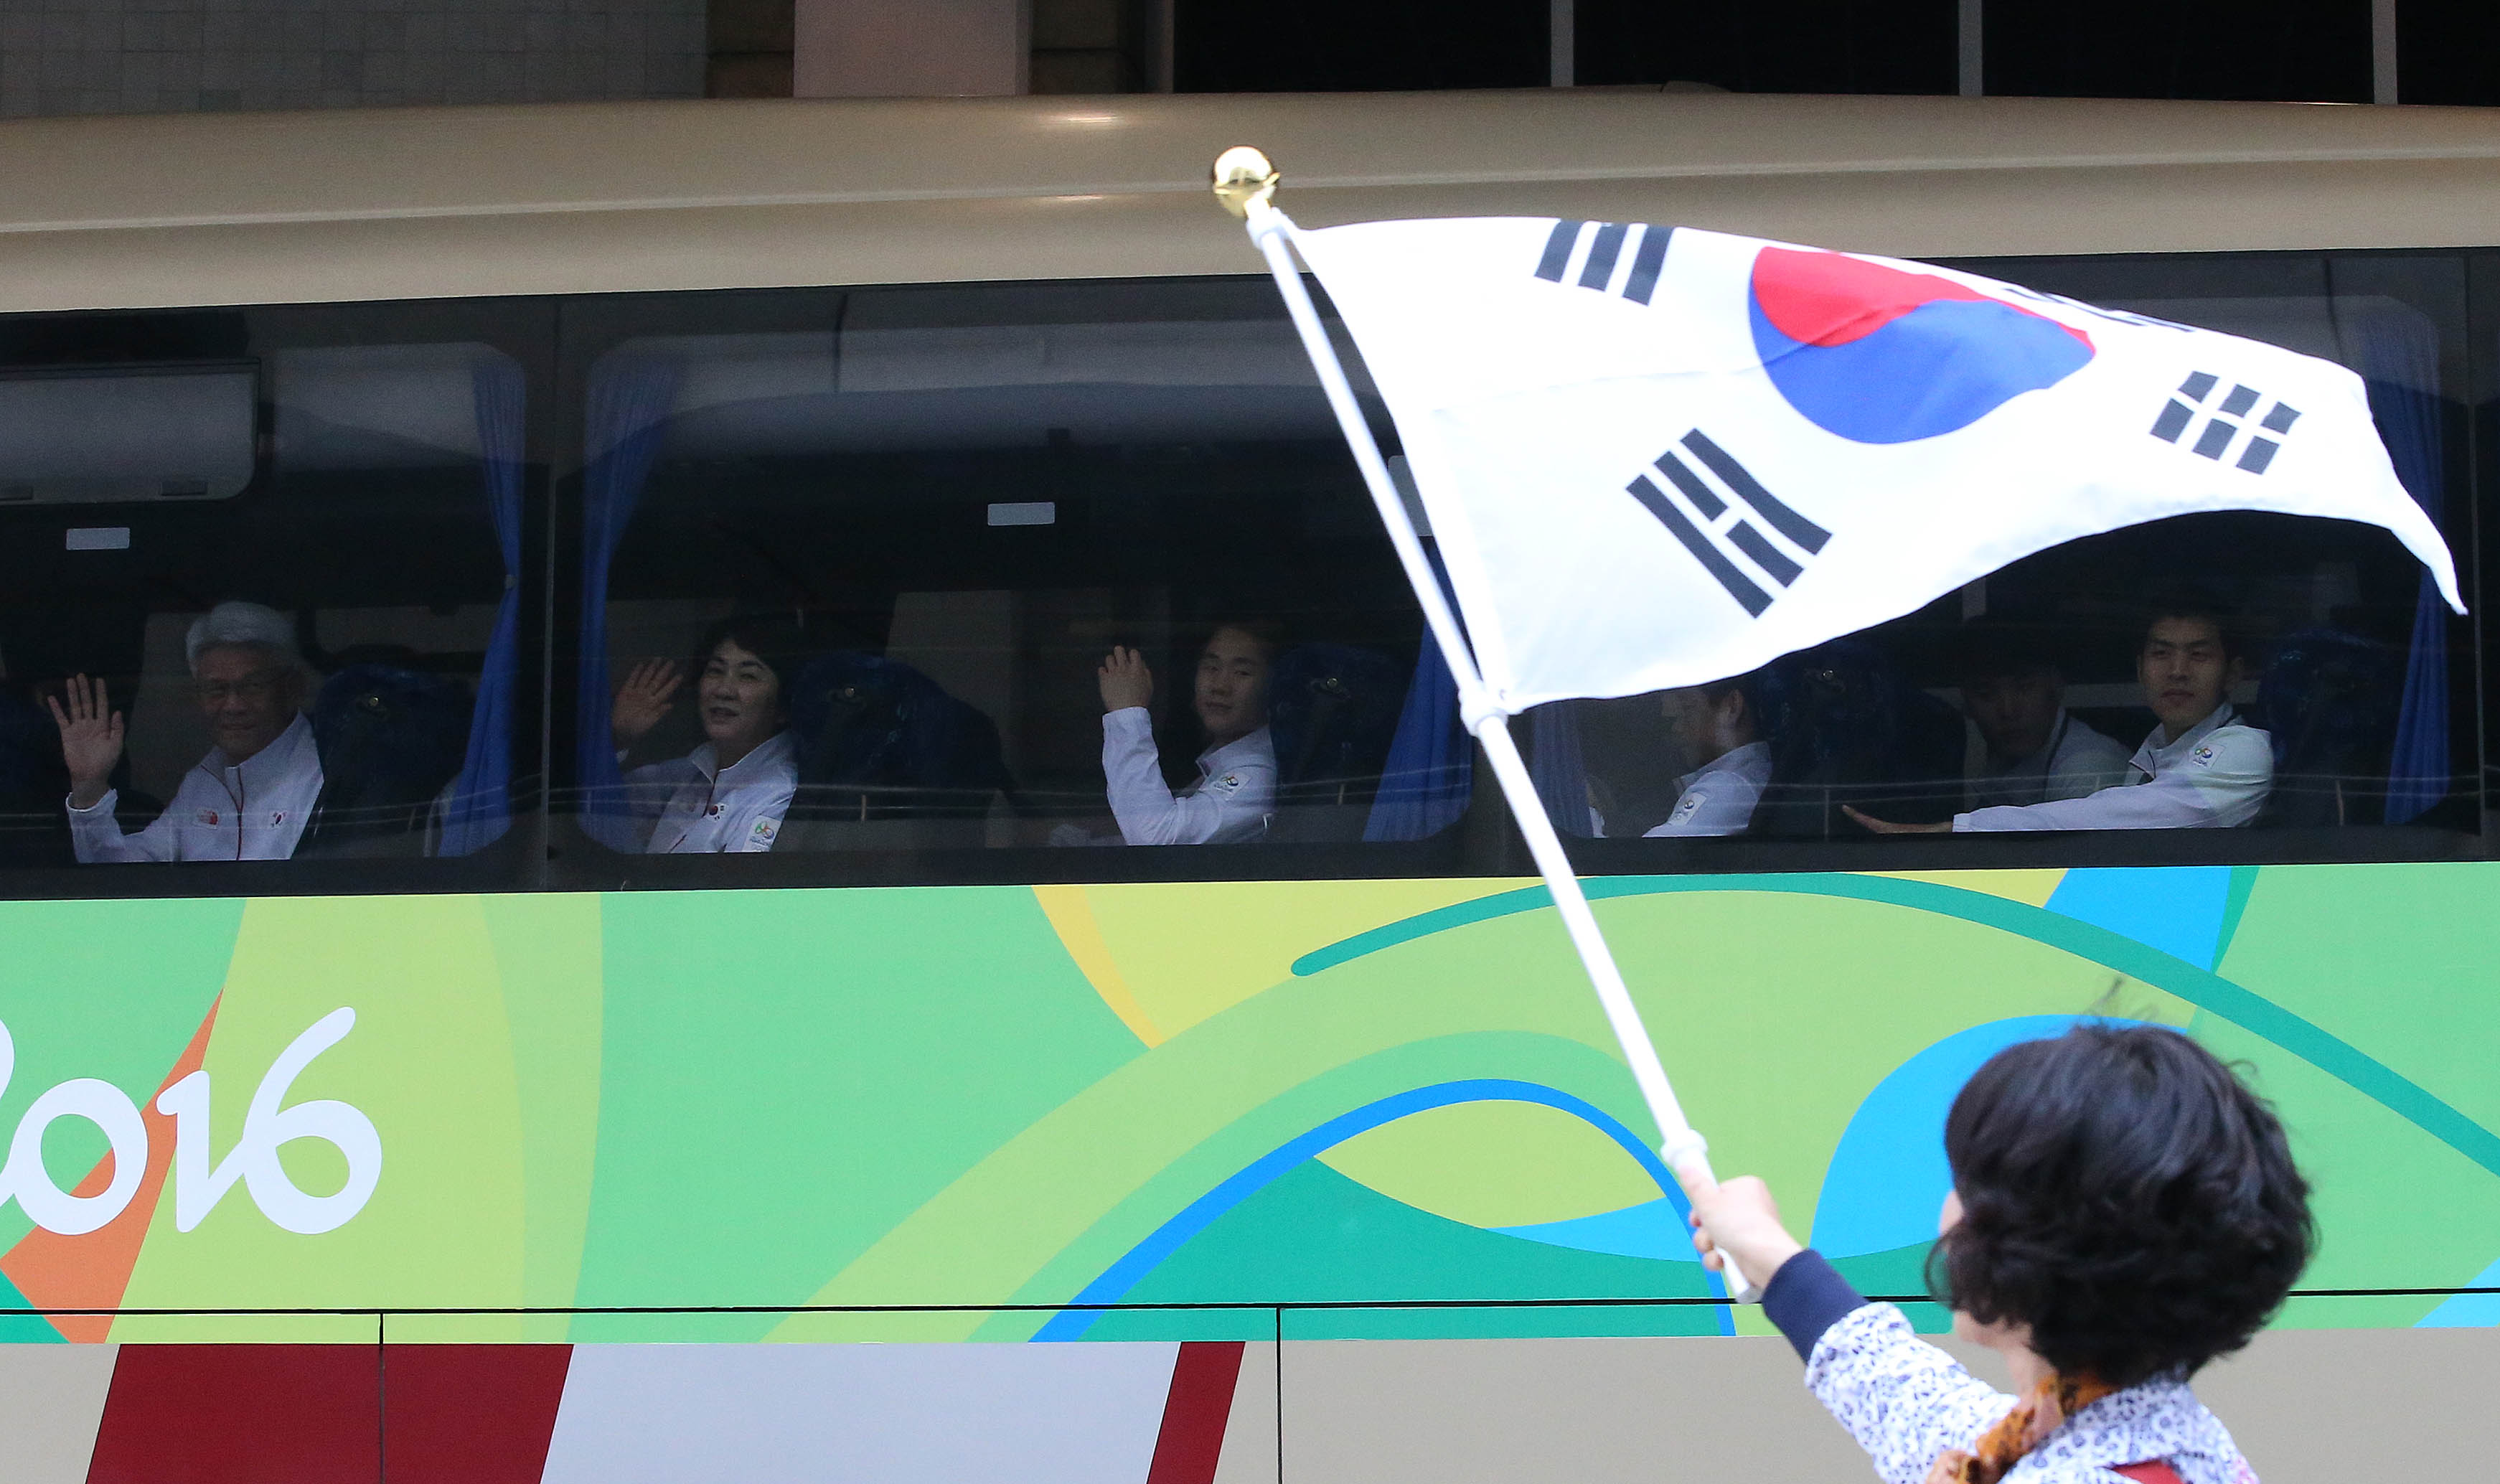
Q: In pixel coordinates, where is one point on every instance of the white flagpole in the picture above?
(1685, 1151)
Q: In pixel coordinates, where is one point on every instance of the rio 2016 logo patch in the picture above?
(199, 1182)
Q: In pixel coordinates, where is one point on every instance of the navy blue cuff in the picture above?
(1806, 1297)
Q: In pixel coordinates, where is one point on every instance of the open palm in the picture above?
(642, 700)
(92, 735)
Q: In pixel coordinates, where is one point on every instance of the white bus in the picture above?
(512, 419)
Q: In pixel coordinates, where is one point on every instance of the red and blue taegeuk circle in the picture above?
(1883, 355)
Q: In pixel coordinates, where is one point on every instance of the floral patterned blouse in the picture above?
(1906, 1400)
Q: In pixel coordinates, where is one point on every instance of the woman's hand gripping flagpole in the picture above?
(1244, 181)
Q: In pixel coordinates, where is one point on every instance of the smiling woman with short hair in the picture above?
(729, 794)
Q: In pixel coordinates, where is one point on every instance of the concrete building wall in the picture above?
(122, 56)
(877, 49)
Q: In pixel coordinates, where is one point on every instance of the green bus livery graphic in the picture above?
(1136, 1112)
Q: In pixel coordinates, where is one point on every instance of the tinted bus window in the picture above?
(261, 590)
(2266, 672)
(1071, 567)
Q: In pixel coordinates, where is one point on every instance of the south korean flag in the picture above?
(1659, 456)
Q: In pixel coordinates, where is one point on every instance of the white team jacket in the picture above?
(2218, 775)
(1230, 803)
(2075, 762)
(1719, 795)
(712, 809)
(252, 810)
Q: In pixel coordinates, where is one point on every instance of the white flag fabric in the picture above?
(1657, 456)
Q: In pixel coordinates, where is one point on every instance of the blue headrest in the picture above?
(30, 751)
(1332, 711)
(1842, 709)
(867, 721)
(388, 736)
(2329, 699)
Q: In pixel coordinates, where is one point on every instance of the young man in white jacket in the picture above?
(1236, 791)
(2202, 767)
(1717, 729)
(249, 798)
(2035, 751)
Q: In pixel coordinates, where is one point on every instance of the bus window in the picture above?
(260, 596)
(1049, 566)
(2322, 698)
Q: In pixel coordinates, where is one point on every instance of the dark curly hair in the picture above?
(2125, 1197)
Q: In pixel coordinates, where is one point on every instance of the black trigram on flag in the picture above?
(2225, 425)
(1597, 266)
(1728, 545)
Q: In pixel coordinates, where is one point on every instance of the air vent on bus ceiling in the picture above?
(96, 434)
(391, 405)
(981, 386)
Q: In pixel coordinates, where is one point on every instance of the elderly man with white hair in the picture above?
(249, 799)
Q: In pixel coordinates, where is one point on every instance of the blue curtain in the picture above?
(1431, 771)
(481, 798)
(2398, 358)
(1553, 761)
(629, 397)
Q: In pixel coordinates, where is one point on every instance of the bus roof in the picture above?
(155, 211)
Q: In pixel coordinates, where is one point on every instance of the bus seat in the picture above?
(1331, 710)
(879, 739)
(33, 781)
(2329, 699)
(1844, 727)
(390, 740)
(30, 752)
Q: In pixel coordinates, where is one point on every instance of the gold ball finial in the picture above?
(1242, 174)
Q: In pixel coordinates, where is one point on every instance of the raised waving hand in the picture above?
(642, 700)
(1125, 680)
(90, 739)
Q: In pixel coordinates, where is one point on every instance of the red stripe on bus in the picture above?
(240, 1414)
(1195, 1411)
(470, 1414)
